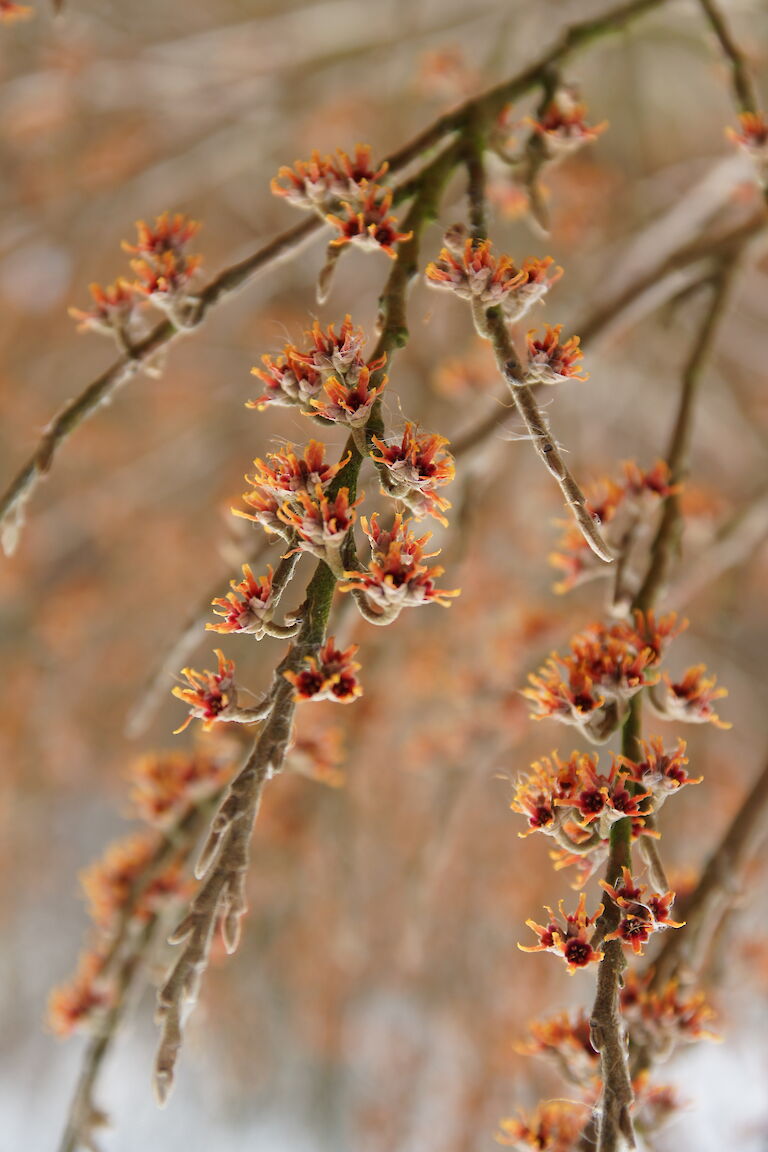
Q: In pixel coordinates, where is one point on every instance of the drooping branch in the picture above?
(123, 960)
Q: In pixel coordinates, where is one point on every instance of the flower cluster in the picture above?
(331, 379)
(660, 772)
(10, 11)
(469, 268)
(347, 193)
(567, 1038)
(109, 883)
(112, 309)
(161, 261)
(397, 576)
(209, 694)
(289, 495)
(567, 937)
(135, 881)
(663, 1018)
(607, 665)
(321, 523)
(565, 799)
(621, 508)
(550, 361)
(414, 468)
(164, 270)
(328, 675)
(87, 994)
(368, 224)
(640, 915)
(562, 124)
(246, 608)
(752, 136)
(555, 1126)
(165, 784)
(324, 182)
(690, 698)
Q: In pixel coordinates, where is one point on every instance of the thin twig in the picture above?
(719, 881)
(743, 85)
(667, 533)
(539, 431)
(84, 1115)
(177, 843)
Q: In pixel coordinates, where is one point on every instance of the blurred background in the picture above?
(378, 993)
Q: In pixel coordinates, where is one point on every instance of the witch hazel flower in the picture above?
(113, 310)
(109, 883)
(567, 1038)
(562, 124)
(752, 136)
(162, 264)
(247, 608)
(641, 915)
(327, 675)
(617, 506)
(565, 799)
(338, 355)
(661, 772)
(554, 1126)
(285, 474)
(349, 401)
(167, 783)
(567, 936)
(321, 523)
(607, 665)
(212, 696)
(264, 510)
(468, 267)
(368, 223)
(287, 381)
(690, 698)
(397, 576)
(80, 1001)
(414, 468)
(551, 361)
(664, 1018)
(322, 183)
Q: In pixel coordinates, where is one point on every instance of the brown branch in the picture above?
(84, 1115)
(177, 842)
(666, 539)
(743, 85)
(539, 431)
(608, 1032)
(224, 860)
(719, 881)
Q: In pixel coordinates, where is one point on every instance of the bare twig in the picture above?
(84, 1115)
(538, 429)
(665, 540)
(125, 959)
(719, 881)
(743, 85)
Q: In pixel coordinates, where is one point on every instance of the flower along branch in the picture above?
(599, 812)
(608, 818)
